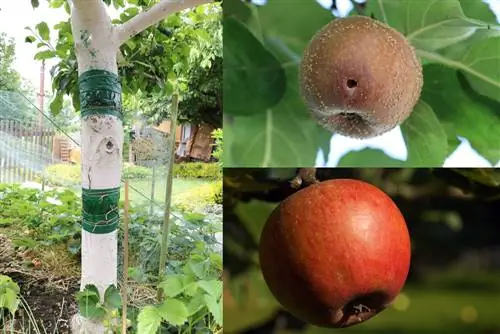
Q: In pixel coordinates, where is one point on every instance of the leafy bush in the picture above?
(218, 136)
(199, 170)
(193, 293)
(63, 175)
(70, 175)
(46, 218)
(206, 194)
(53, 217)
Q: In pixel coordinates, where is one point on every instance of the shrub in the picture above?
(70, 175)
(63, 174)
(218, 136)
(198, 170)
(206, 194)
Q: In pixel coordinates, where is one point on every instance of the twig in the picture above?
(304, 175)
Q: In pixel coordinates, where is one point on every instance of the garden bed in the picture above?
(46, 298)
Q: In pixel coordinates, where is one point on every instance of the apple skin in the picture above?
(336, 253)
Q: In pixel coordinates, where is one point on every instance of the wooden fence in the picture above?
(25, 150)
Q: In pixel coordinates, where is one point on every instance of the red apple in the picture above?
(335, 253)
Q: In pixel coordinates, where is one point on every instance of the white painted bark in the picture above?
(154, 15)
(97, 44)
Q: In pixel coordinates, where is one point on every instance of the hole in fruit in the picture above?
(352, 83)
(363, 308)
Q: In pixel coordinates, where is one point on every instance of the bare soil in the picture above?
(48, 301)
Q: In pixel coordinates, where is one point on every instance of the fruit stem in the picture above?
(306, 176)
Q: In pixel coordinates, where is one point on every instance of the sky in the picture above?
(15, 15)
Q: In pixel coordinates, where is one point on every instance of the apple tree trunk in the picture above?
(97, 43)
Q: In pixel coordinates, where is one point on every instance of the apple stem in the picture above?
(306, 176)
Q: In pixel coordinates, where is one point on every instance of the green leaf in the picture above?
(9, 294)
(56, 104)
(478, 10)
(291, 28)
(481, 66)
(47, 54)
(215, 307)
(425, 138)
(212, 287)
(428, 24)
(10, 300)
(197, 268)
(89, 303)
(172, 285)
(254, 80)
(43, 31)
(246, 14)
(30, 39)
(283, 136)
(254, 215)
(89, 290)
(112, 298)
(462, 111)
(35, 3)
(56, 3)
(195, 304)
(148, 320)
(369, 158)
(174, 311)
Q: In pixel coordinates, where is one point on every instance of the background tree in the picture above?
(9, 78)
(15, 92)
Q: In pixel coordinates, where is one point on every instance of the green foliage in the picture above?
(182, 53)
(457, 41)
(9, 78)
(9, 295)
(204, 195)
(50, 217)
(199, 170)
(192, 293)
(219, 149)
(91, 307)
(186, 232)
(45, 218)
(69, 174)
(63, 174)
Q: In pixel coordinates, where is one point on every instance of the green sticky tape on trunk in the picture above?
(100, 93)
(100, 210)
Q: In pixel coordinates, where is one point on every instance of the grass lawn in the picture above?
(179, 186)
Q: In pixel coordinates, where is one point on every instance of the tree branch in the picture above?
(154, 15)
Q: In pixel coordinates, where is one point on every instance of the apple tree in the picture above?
(96, 67)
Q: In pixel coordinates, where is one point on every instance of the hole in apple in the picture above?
(363, 308)
(351, 83)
